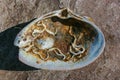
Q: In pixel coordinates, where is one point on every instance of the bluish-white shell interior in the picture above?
(96, 48)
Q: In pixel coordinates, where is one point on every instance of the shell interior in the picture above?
(60, 40)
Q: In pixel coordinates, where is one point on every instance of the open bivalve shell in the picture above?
(60, 40)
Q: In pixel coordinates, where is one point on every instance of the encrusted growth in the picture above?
(57, 39)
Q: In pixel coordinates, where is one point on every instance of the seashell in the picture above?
(60, 40)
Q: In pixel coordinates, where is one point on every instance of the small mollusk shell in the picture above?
(60, 40)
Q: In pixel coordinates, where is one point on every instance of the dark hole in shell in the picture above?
(64, 13)
(81, 49)
(24, 39)
(18, 41)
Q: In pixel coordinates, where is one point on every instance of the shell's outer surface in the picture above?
(60, 40)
